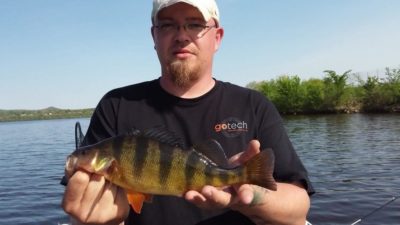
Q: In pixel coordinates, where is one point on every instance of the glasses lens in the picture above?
(194, 30)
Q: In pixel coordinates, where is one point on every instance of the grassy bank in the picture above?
(43, 114)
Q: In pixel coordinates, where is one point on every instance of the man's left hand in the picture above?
(235, 196)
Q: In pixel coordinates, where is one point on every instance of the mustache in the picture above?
(183, 48)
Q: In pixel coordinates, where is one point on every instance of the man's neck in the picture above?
(194, 90)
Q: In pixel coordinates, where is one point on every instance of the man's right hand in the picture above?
(89, 198)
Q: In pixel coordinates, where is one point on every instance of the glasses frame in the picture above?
(186, 27)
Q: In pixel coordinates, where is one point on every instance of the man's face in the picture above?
(185, 57)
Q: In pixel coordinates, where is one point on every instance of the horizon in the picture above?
(69, 54)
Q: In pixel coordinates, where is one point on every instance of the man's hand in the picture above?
(89, 198)
(234, 197)
(288, 205)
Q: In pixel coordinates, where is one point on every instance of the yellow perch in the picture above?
(152, 162)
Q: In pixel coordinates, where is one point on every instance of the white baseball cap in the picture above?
(208, 8)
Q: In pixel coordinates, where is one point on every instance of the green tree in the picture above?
(334, 88)
(313, 95)
(392, 75)
(393, 84)
(290, 94)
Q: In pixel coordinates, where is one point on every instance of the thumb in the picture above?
(252, 149)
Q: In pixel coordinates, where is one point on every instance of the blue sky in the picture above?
(68, 54)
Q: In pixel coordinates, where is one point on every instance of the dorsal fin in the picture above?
(160, 134)
(78, 135)
(214, 152)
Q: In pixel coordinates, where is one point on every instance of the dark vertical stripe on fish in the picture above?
(223, 176)
(210, 173)
(166, 160)
(141, 153)
(117, 145)
(190, 167)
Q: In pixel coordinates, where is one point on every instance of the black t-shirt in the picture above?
(230, 114)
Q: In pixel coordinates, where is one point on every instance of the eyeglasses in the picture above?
(194, 30)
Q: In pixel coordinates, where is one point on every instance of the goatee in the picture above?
(183, 74)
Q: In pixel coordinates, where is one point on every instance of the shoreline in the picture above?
(55, 113)
(44, 114)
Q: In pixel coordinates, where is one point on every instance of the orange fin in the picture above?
(136, 200)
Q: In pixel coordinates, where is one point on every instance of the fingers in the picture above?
(196, 198)
(89, 198)
(210, 198)
(74, 191)
(245, 194)
(253, 149)
(250, 195)
(92, 194)
(121, 199)
(111, 199)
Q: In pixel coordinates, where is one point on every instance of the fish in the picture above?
(154, 162)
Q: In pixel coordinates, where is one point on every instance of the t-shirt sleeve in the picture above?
(103, 121)
(272, 134)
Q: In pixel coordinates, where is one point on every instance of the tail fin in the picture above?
(260, 168)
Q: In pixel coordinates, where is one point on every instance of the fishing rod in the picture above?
(377, 209)
(78, 142)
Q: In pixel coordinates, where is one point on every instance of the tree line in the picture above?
(333, 93)
(43, 114)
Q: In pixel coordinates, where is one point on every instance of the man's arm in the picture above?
(288, 205)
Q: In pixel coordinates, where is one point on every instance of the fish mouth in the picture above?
(70, 165)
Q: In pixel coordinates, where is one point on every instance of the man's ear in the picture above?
(152, 35)
(218, 37)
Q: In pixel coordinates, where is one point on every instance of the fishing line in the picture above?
(377, 209)
(78, 135)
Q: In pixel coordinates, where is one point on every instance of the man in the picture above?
(188, 101)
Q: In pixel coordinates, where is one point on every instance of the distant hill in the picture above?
(43, 114)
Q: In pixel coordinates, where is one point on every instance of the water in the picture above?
(353, 161)
(32, 159)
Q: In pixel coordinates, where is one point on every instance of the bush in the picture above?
(332, 93)
(313, 96)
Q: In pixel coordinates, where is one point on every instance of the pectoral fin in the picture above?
(136, 200)
(103, 165)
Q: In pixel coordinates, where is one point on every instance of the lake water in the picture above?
(353, 161)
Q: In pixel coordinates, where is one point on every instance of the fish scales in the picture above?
(162, 169)
(166, 169)
(125, 157)
(175, 181)
(152, 170)
(143, 165)
(141, 153)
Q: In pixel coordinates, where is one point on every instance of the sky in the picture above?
(68, 54)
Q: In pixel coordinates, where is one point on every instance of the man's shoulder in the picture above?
(234, 89)
(133, 90)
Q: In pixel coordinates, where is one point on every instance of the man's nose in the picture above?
(181, 34)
